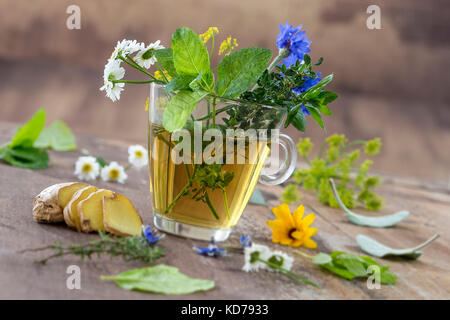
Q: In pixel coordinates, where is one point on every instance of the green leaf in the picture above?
(190, 56)
(296, 118)
(313, 91)
(160, 279)
(376, 249)
(179, 108)
(344, 273)
(165, 59)
(327, 97)
(58, 136)
(241, 69)
(353, 264)
(315, 114)
(29, 158)
(257, 198)
(179, 83)
(29, 132)
(322, 258)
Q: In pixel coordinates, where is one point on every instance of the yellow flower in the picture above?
(211, 32)
(228, 45)
(292, 230)
(159, 76)
(146, 103)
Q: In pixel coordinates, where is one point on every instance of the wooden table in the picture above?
(20, 277)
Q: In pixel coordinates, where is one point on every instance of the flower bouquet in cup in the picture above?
(211, 129)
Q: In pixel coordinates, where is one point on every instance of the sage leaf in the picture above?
(179, 107)
(28, 133)
(257, 198)
(239, 70)
(160, 279)
(190, 56)
(376, 249)
(165, 59)
(361, 220)
(57, 136)
(322, 258)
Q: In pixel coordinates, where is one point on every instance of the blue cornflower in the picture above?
(150, 235)
(308, 84)
(246, 241)
(295, 41)
(211, 251)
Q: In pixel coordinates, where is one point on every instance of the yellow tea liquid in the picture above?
(167, 180)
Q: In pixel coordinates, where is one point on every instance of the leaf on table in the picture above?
(257, 198)
(376, 249)
(28, 133)
(361, 220)
(29, 158)
(239, 70)
(57, 136)
(160, 279)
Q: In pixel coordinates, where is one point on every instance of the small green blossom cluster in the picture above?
(338, 159)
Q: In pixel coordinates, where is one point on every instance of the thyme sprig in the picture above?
(129, 248)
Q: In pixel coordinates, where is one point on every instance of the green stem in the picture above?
(209, 115)
(303, 254)
(162, 72)
(211, 207)
(214, 112)
(179, 195)
(130, 81)
(225, 199)
(288, 273)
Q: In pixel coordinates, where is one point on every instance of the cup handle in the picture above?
(287, 165)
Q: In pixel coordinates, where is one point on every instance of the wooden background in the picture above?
(393, 82)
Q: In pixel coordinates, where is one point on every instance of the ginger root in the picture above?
(90, 211)
(86, 209)
(120, 217)
(49, 204)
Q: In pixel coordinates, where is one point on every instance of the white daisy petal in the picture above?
(137, 156)
(255, 250)
(114, 172)
(113, 71)
(281, 259)
(87, 168)
(146, 61)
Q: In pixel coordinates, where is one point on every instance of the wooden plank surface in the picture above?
(20, 277)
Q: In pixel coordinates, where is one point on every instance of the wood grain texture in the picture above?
(20, 277)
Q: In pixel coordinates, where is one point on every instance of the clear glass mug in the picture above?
(193, 194)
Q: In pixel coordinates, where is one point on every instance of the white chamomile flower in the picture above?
(87, 168)
(137, 156)
(281, 260)
(114, 172)
(113, 71)
(145, 57)
(252, 254)
(126, 47)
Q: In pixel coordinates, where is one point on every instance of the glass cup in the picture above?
(202, 176)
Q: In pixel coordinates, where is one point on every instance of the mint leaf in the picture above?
(29, 132)
(353, 264)
(344, 273)
(57, 136)
(179, 108)
(190, 56)
(241, 69)
(179, 83)
(165, 59)
(315, 114)
(29, 158)
(159, 279)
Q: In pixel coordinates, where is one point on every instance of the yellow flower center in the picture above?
(138, 154)
(87, 167)
(114, 174)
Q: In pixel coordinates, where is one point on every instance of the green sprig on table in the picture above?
(27, 149)
(338, 159)
(129, 248)
(350, 266)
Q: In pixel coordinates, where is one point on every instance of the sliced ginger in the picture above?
(87, 209)
(120, 217)
(65, 193)
(71, 210)
(48, 205)
(90, 211)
